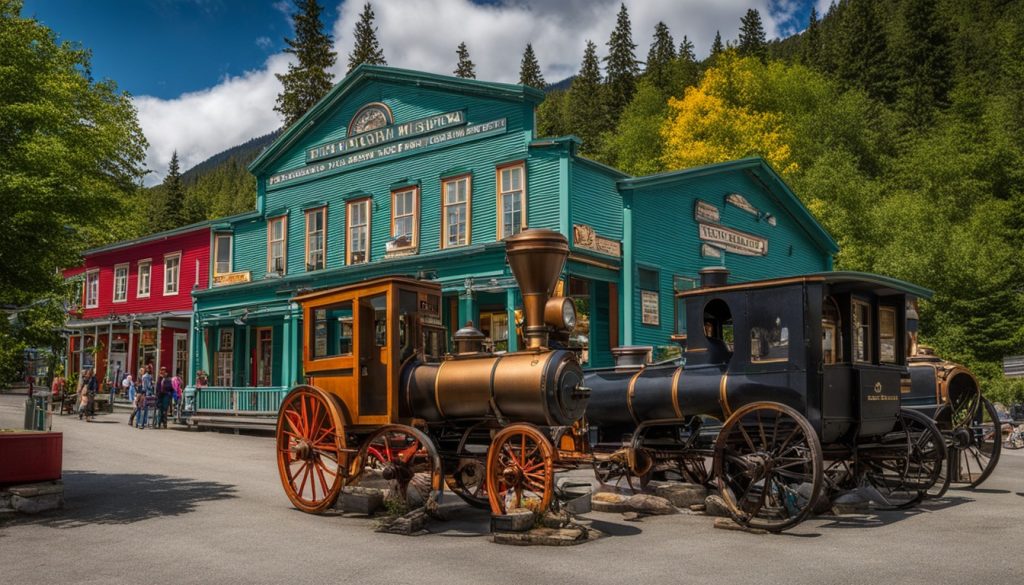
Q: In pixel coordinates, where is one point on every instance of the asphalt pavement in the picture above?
(176, 506)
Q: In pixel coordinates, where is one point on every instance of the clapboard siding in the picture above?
(598, 202)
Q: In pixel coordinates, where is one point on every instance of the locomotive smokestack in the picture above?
(713, 276)
(536, 257)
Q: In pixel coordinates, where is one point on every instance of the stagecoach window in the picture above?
(332, 331)
(769, 342)
(380, 319)
(887, 335)
(861, 331)
(718, 330)
(831, 348)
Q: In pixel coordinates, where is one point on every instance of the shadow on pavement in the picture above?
(111, 498)
(462, 520)
(877, 518)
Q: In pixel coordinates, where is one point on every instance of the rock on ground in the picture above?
(609, 502)
(729, 524)
(568, 536)
(648, 504)
(682, 495)
(714, 505)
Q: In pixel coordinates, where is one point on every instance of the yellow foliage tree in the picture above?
(714, 122)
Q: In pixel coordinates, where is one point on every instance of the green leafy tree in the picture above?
(529, 69)
(752, 41)
(367, 48)
(621, 65)
(660, 57)
(309, 78)
(465, 67)
(553, 115)
(634, 147)
(588, 112)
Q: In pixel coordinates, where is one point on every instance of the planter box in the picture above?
(30, 456)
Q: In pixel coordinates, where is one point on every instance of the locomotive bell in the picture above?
(536, 257)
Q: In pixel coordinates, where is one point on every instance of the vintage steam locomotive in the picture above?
(383, 401)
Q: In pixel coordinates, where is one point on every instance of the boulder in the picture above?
(715, 506)
(567, 536)
(682, 495)
(411, 524)
(609, 502)
(360, 500)
(555, 519)
(648, 504)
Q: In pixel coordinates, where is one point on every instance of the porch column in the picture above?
(110, 342)
(469, 308)
(131, 351)
(95, 351)
(247, 358)
(159, 348)
(510, 309)
(81, 351)
(286, 351)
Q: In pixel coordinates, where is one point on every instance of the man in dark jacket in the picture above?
(164, 392)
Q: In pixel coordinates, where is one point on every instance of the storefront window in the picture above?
(120, 283)
(358, 231)
(172, 268)
(276, 261)
(225, 358)
(222, 253)
(494, 326)
(403, 218)
(144, 273)
(92, 289)
(315, 223)
(579, 338)
(456, 212)
(511, 200)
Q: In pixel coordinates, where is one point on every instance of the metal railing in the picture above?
(262, 401)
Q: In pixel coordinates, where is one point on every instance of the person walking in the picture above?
(164, 393)
(91, 389)
(149, 394)
(179, 386)
(57, 392)
(139, 412)
(86, 394)
(129, 391)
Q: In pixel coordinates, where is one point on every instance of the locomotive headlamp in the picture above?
(560, 314)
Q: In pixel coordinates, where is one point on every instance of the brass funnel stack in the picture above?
(536, 257)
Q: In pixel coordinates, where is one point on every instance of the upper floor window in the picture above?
(92, 289)
(456, 212)
(404, 220)
(120, 283)
(144, 279)
(276, 244)
(358, 231)
(511, 200)
(222, 253)
(172, 272)
(316, 220)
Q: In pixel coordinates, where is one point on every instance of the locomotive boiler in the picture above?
(384, 406)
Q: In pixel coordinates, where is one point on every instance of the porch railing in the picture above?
(263, 401)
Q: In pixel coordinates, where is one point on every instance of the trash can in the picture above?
(37, 412)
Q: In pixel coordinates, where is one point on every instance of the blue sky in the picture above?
(202, 71)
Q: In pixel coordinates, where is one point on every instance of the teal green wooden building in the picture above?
(404, 172)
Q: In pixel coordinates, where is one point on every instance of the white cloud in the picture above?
(264, 43)
(423, 34)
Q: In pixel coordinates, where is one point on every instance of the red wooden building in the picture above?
(135, 306)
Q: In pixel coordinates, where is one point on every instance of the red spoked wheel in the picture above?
(520, 470)
(403, 461)
(311, 455)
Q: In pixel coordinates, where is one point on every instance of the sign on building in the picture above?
(733, 241)
(585, 238)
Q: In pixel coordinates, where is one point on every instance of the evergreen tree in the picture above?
(622, 66)
(465, 67)
(686, 50)
(864, 56)
(685, 69)
(173, 213)
(367, 48)
(752, 42)
(660, 57)
(588, 111)
(529, 69)
(810, 41)
(924, 62)
(308, 80)
(716, 46)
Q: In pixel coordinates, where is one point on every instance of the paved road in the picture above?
(172, 506)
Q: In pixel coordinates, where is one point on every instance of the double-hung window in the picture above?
(316, 222)
(222, 253)
(142, 291)
(456, 212)
(511, 200)
(172, 272)
(92, 289)
(358, 231)
(120, 283)
(276, 244)
(404, 220)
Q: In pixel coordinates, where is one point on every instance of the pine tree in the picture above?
(924, 62)
(810, 43)
(752, 42)
(622, 66)
(685, 71)
(864, 60)
(716, 46)
(465, 67)
(686, 50)
(529, 69)
(660, 57)
(588, 111)
(173, 213)
(310, 79)
(366, 48)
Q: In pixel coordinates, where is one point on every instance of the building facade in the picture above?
(135, 303)
(403, 172)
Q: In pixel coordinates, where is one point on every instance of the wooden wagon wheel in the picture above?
(520, 470)
(405, 462)
(976, 442)
(768, 466)
(468, 481)
(907, 462)
(311, 456)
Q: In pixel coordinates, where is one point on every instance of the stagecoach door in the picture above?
(374, 336)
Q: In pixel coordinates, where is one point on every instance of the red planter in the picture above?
(27, 456)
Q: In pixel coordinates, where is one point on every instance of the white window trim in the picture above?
(127, 273)
(348, 229)
(148, 262)
(501, 190)
(323, 231)
(415, 215)
(96, 301)
(231, 252)
(177, 279)
(284, 244)
(469, 210)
